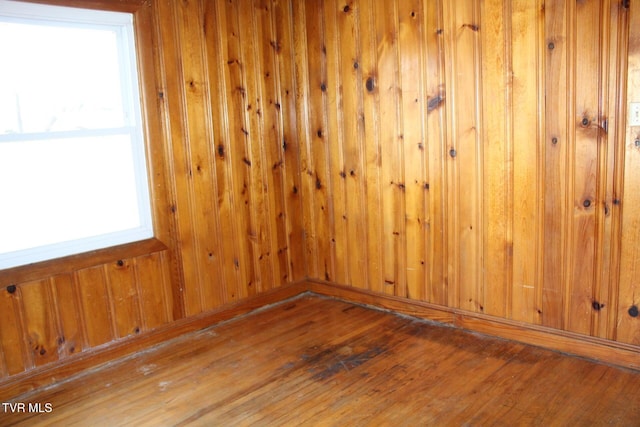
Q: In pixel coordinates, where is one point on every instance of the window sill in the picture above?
(44, 269)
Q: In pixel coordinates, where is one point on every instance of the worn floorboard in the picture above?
(319, 361)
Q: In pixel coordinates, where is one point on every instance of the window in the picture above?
(73, 172)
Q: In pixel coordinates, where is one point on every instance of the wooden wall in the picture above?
(474, 154)
(229, 117)
(49, 319)
(220, 104)
(471, 154)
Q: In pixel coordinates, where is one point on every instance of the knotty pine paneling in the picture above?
(229, 113)
(471, 154)
(223, 126)
(47, 320)
(498, 171)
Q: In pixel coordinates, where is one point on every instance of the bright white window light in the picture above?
(73, 172)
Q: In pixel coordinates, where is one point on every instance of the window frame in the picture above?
(163, 222)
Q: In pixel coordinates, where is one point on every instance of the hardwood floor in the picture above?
(319, 361)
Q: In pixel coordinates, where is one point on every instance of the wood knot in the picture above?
(434, 102)
(370, 84)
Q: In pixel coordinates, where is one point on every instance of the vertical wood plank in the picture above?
(586, 158)
(465, 154)
(215, 33)
(372, 123)
(72, 339)
(164, 266)
(496, 163)
(608, 62)
(14, 349)
(151, 276)
(436, 185)
(558, 44)
(601, 240)
(304, 133)
(254, 139)
(449, 31)
(274, 162)
(335, 140)
(40, 327)
(288, 90)
(95, 306)
(3, 363)
(628, 319)
(269, 162)
(391, 150)
(352, 124)
(617, 150)
(318, 175)
(239, 150)
(528, 44)
(121, 281)
(412, 76)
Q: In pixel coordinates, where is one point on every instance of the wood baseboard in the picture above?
(610, 352)
(59, 371)
(598, 349)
